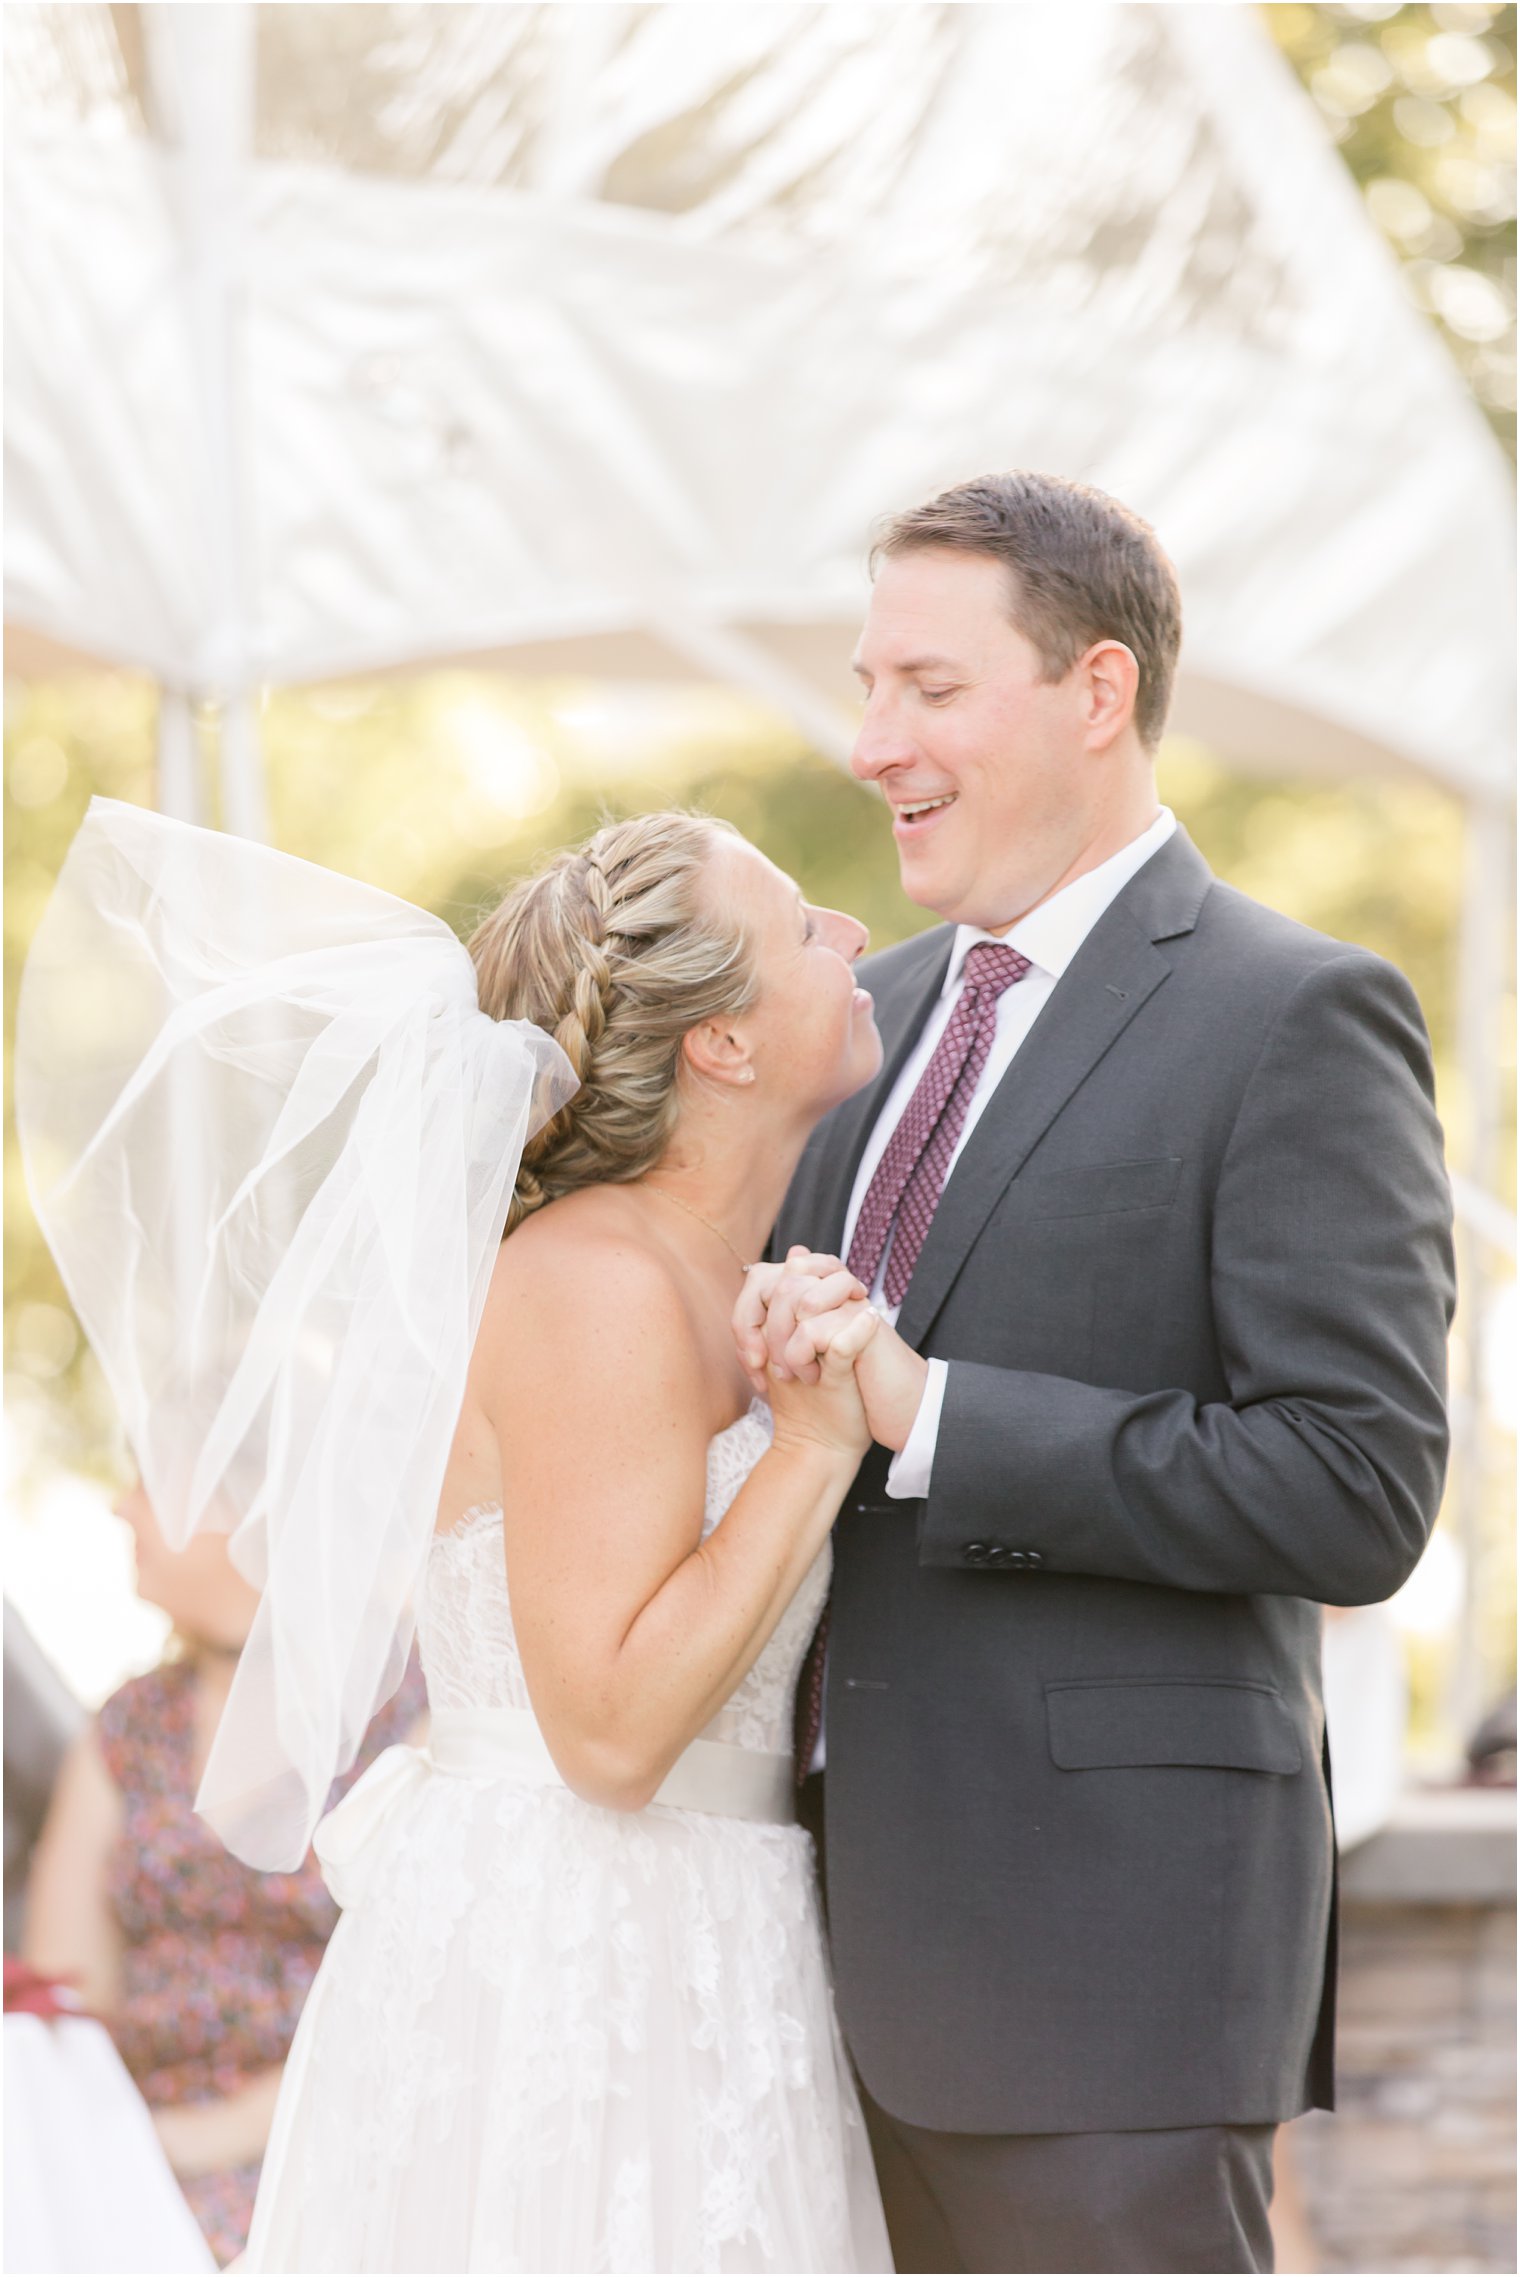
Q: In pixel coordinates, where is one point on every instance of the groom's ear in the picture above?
(1107, 681)
(718, 1053)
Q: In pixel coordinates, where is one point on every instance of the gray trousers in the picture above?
(1176, 2198)
(1171, 2198)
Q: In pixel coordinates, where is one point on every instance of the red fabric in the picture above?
(28, 1994)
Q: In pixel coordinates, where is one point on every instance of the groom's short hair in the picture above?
(1082, 568)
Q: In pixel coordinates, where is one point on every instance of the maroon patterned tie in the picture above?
(910, 1175)
(906, 1185)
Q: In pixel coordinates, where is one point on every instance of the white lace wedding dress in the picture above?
(552, 2037)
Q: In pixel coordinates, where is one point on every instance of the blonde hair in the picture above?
(615, 949)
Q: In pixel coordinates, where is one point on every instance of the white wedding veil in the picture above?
(271, 1139)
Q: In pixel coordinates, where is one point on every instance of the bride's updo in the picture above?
(616, 949)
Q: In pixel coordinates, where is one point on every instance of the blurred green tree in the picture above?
(1421, 101)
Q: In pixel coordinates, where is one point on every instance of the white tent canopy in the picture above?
(594, 338)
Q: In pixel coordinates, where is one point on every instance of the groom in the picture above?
(1151, 1183)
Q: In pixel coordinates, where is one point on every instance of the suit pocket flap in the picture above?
(1234, 1727)
(1102, 1186)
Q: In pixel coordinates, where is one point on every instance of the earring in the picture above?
(746, 1075)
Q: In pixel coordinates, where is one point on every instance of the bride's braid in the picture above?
(617, 951)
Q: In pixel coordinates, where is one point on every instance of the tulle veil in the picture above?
(271, 1140)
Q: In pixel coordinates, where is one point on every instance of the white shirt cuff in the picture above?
(908, 1476)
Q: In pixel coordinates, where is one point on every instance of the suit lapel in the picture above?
(819, 1196)
(1104, 986)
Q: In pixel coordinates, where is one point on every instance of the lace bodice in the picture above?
(469, 1645)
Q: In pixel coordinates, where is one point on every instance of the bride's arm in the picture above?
(633, 1630)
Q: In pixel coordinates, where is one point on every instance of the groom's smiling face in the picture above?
(993, 773)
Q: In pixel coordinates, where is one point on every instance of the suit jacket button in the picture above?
(975, 1553)
(1018, 1558)
(996, 1554)
(1033, 1558)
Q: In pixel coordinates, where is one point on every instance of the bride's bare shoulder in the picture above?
(586, 1259)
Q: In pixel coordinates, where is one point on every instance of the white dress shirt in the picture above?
(1049, 937)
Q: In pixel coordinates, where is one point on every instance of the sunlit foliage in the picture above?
(1422, 103)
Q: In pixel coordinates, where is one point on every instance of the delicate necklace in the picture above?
(697, 1214)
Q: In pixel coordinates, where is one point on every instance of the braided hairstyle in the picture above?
(614, 948)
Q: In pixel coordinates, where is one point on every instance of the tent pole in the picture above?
(181, 790)
(245, 804)
(201, 79)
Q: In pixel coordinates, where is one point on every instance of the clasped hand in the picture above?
(790, 1316)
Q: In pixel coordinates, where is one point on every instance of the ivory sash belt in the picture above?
(487, 1744)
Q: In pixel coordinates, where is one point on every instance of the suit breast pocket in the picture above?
(1057, 1243)
(1102, 1188)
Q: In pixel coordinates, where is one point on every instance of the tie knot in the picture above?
(992, 964)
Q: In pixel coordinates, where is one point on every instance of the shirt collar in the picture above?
(1051, 935)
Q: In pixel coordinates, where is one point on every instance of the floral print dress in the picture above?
(218, 1958)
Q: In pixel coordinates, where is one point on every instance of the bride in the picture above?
(577, 2015)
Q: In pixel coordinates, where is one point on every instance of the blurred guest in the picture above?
(199, 1964)
(42, 1716)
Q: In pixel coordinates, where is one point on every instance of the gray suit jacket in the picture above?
(1192, 1276)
